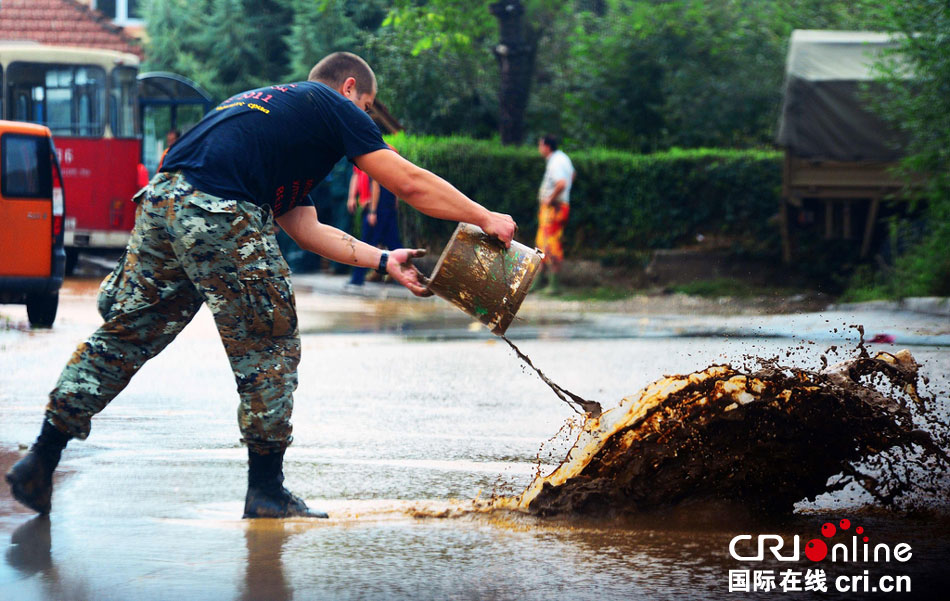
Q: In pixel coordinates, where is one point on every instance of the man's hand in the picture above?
(371, 218)
(500, 226)
(401, 269)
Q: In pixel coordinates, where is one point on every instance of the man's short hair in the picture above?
(334, 68)
(550, 140)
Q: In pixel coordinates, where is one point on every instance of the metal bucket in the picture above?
(477, 274)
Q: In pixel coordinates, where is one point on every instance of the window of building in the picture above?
(123, 12)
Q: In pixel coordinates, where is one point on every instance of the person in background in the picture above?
(554, 198)
(170, 138)
(330, 198)
(203, 235)
(380, 224)
(362, 189)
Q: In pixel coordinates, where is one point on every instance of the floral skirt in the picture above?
(551, 220)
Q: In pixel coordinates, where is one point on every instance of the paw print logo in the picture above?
(817, 549)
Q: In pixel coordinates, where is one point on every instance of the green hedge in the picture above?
(621, 203)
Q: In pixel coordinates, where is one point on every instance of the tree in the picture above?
(171, 27)
(434, 64)
(614, 91)
(515, 52)
(225, 46)
(456, 31)
(921, 110)
(321, 27)
(633, 74)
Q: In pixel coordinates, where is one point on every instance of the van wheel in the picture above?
(41, 309)
(72, 258)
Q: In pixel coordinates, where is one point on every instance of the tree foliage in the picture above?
(636, 75)
(223, 45)
(920, 108)
(633, 74)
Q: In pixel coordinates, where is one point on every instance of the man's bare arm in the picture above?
(431, 194)
(302, 225)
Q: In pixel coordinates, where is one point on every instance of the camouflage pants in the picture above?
(189, 248)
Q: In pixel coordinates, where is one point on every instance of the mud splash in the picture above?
(765, 439)
(591, 407)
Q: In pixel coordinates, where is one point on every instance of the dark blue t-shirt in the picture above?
(271, 145)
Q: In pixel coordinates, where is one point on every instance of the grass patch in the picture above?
(600, 293)
(867, 285)
(719, 287)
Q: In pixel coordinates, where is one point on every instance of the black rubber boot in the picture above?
(266, 495)
(31, 478)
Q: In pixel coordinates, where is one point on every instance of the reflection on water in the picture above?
(264, 573)
(30, 557)
(399, 550)
(29, 550)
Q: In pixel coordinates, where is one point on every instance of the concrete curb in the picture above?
(931, 305)
(927, 305)
(338, 284)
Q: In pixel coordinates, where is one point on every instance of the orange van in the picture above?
(32, 207)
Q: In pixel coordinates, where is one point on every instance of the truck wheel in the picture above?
(41, 309)
(72, 258)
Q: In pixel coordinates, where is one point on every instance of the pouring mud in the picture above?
(763, 439)
(592, 408)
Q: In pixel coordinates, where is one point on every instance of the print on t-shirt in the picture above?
(269, 146)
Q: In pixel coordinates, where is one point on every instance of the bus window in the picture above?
(89, 101)
(59, 96)
(69, 99)
(22, 107)
(122, 102)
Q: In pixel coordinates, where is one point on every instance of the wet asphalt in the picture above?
(407, 410)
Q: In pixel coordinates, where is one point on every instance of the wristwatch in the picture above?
(383, 260)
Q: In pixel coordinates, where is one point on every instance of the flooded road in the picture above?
(404, 415)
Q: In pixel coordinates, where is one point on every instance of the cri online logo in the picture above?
(817, 549)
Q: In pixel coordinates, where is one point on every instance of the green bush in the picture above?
(620, 203)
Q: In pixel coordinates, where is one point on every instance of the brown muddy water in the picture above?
(402, 441)
(578, 404)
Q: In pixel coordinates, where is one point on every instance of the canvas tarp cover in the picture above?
(825, 109)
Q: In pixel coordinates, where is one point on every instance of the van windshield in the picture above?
(25, 171)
